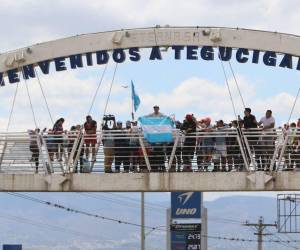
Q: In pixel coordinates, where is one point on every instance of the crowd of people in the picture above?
(57, 139)
(198, 146)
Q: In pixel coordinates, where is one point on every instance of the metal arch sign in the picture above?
(194, 43)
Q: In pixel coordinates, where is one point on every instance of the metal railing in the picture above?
(128, 151)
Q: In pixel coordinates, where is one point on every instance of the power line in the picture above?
(137, 200)
(288, 241)
(283, 243)
(132, 200)
(116, 201)
(45, 225)
(33, 199)
(153, 209)
(158, 207)
(287, 236)
(77, 211)
(246, 240)
(224, 221)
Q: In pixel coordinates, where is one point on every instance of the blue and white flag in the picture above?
(157, 129)
(135, 98)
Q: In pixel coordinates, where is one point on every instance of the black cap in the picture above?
(155, 106)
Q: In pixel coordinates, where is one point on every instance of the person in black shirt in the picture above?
(249, 120)
(189, 129)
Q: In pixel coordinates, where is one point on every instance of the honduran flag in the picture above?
(135, 98)
(157, 129)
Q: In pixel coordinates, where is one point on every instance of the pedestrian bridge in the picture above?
(218, 160)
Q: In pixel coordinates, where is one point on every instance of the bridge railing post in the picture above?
(78, 145)
(283, 148)
(97, 147)
(145, 153)
(243, 152)
(273, 165)
(252, 160)
(3, 152)
(177, 135)
(71, 158)
(47, 163)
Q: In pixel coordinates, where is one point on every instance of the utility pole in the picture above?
(260, 227)
(142, 221)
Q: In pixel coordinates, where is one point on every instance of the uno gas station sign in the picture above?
(186, 220)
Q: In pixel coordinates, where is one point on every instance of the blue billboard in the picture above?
(186, 205)
(12, 247)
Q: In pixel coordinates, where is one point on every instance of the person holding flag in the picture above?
(157, 130)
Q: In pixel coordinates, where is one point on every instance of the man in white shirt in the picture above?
(266, 144)
(156, 112)
(267, 121)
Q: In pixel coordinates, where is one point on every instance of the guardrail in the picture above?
(128, 151)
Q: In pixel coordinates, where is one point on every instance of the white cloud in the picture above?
(70, 96)
(37, 21)
(205, 98)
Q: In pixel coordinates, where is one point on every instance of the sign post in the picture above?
(186, 221)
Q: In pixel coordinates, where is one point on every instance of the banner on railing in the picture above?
(157, 129)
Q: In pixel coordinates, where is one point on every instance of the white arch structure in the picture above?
(285, 44)
(149, 37)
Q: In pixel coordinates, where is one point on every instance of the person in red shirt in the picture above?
(90, 138)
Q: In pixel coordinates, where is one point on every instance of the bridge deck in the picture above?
(152, 182)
